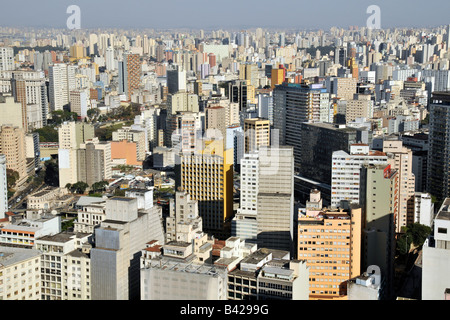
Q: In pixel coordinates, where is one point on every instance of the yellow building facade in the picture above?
(330, 242)
(207, 175)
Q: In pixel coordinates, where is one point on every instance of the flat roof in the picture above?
(122, 198)
(12, 255)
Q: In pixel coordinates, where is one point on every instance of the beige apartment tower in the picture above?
(12, 145)
(400, 158)
(257, 134)
(330, 242)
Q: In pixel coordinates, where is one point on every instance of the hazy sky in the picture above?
(215, 14)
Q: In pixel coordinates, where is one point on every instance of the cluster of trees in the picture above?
(105, 133)
(415, 234)
(11, 178)
(49, 133)
(80, 187)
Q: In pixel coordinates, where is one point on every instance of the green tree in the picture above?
(67, 224)
(59, 116)
(93, 113)
(80, 187)
(99, 186)
(51, 173)
(418, 233)
(414, 234)
(403, 245)
(11, 178)
(47, 134)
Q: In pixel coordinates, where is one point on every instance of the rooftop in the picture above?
(63, 236)
(11, 255)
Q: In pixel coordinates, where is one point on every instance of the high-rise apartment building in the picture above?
(6, 58)
(71, 135)
(181, 101)
(439, 146)
(184, 223)
(61, 82)
(294, 104)
(78, 102)
(65, 266)
(379, 199)
(275, 198)
(207, 175)
(256, 134)
(215, 125)
(28, 88)
(245, 224)
(12, 145)
(109, 59)
(277, 76)
(423, 209)
(20, 274)
(319, 141)
(189, 126)
(345, 172)
(330, 242)
(10, 111)
(94, 161)
(361, 107)
(132, 135)
(3, 187)
(400, 158)
(343, 88)
(115, 259)
(129, 74)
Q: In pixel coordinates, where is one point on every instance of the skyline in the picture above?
(204, 14)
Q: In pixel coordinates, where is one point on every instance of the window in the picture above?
(442, 230)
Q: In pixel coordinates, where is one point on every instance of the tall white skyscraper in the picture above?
(6, 58)
(3, 187)
(58, 89)
(62, 80)
(109, 59)
(265, 215)
(93, 39)
(245, 224)
(345, 173)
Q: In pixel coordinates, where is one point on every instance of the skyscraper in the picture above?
(129, 74)
(176, 80)
(6, 58)
(207, 175)
(275, 199)
(345, 174)
(439, 144)
(256, 133)
(400, 159)
(277, 76)
(3, 187)
(294, 104)
(339, 234)
(70, 136)
(109, 59)
(94, 161)
(379, 195)
(12, 145)
(115, 259)
(61, 81)
(319, 141)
